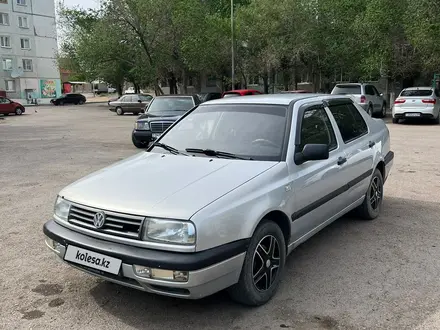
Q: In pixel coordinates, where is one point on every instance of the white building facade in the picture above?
(28, 46)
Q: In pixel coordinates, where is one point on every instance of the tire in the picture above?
(18, 111)
(395, 120)
(370, 111)
(139, 144)
(81, 102)
(61, 103)
(119, 111)
(383, 111)
(251, 293)
(437, 120)
(136, 113)
(370, 210)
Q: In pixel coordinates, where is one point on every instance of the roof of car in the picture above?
(416, 88)
(241, 91)
(280, 99)
(177, 95)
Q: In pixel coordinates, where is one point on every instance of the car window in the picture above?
(3, 100)
(316, 128)
(375, 91)
(369, 90)
(145, 98)
(255, 131)
(349, 120)
(347, 89)
(416, 92)
(172, 103)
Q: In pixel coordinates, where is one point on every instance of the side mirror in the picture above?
(140, 101)
(312, 152)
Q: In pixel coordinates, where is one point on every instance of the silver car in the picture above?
(417, 103)
(224, 195)
(365, 95)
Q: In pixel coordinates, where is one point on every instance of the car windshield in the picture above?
(347, 89)
(171, 104)
(416, 92)
(247, 131)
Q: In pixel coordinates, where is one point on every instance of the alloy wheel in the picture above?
(375, 193)
(266, 263)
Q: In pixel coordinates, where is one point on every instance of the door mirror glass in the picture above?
(312, 152)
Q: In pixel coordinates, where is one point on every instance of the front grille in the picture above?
(117, 224)
(159, 126)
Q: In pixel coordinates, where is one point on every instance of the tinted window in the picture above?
(317, 129)
(347, 89)
(375, 91)
(349, 120)
(145, 98)
(171, 104)
(369, 90)
(255, 131)
(123, 99)
(416, 92)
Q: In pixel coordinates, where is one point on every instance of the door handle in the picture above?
(342, 160)
(371, 144)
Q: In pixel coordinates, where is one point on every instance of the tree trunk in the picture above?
(136, 88)
(286, 80)
(273, 80)
(184, 82)
(266, 82)
(119, 89)
(244, 79)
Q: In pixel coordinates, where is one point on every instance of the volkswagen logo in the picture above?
(99, 220)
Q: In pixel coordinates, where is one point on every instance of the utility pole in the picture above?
(232, 45)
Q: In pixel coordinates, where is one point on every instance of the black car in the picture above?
(159, 115)
(204, 97)
(70, 98)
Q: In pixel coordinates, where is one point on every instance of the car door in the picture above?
(378, 99)
(316, 184)
(358, 147)
(4, 105)
(124, 102)
(371, 98)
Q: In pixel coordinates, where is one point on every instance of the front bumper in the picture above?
(209, 271)
(144, 136)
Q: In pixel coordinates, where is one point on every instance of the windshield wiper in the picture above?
(172, 150)
(210, 152)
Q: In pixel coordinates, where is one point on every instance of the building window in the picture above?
(5, 42)
(4, 19)
(25, 43)
(23, 22)
(21, 2)
(10, 85)
(3, 1)
(27, 65)
(7, 64)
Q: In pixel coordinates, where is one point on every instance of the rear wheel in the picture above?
(383, 112)
(370, 208)
(370, 111)
(395, 120)
(262, 267)
(18, 111)
(136, 113)
(61, 103)
(437, 120)
(119, 111)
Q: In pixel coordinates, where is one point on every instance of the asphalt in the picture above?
(353, 275)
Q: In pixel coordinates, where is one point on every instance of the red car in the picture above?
(7, 106)
(241, 92)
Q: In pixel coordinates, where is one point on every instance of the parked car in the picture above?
(224, 196)
(417, 102)
(8, 106)
(70, 98)
(204, 97)
(241, 92)
(303, 91)
(131, 90)
(134, 103)
(159, 115)
(366, 95)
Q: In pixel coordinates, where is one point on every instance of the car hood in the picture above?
(162, 185)
(168, 115)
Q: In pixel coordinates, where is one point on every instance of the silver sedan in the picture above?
(224, 195)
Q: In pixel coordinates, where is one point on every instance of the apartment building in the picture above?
(28, 44)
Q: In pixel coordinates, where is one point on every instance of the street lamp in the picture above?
(232, 45)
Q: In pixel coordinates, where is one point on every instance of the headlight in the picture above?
(142, 125)
(169, 231)
(62, 208)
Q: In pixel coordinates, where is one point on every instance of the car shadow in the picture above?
(352, 268)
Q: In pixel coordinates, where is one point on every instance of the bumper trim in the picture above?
(389, 157)
(146, 257)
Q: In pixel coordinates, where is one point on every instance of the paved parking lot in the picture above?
(353, 275)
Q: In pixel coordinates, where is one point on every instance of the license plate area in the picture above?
(93, 260)
(414, 114)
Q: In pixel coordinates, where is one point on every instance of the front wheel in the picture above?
(370, 208)
(263, 266)
(119, 111)
(139, 144)
(395, 120)
(81, 102)
(18, 112)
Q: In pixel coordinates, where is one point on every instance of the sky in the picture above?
(82, 3)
